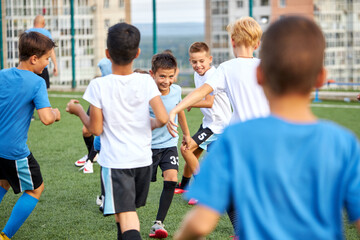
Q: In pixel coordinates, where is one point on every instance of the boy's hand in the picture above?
(171, 124)
(73, 107)
(57, 114)
(186, 142)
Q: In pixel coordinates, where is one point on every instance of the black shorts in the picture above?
(202, 135)
(166, 158)
(125, 189)
(45, 76)
(22, 174)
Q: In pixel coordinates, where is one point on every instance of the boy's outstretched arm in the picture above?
(199, 222)
(49, 115)
(161, 116)
(205, 103)
(194, 97)
(94, 122)
(184, 128)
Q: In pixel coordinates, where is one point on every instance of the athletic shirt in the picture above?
(161, 137)
(287, 180)
(237, 77)
(124, 101)
(218, 116)
(20, 92)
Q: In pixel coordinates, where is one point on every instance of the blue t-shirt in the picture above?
(97, 143)
(161, 137)
(105, 66)
(287, 180)
(20, 92)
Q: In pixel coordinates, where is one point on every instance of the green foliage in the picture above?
(67, 208)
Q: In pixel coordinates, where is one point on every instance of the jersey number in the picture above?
(174, 160)
(202, 136)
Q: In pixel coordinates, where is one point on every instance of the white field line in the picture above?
(64, 95)
(335, 106)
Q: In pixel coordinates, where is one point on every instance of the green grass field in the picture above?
(67, 208)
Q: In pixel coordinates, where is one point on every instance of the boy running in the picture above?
(215, 108)
(119, 113)
(22, 91)
(163, 145)
(293, 174)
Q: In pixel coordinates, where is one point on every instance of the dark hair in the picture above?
(123, 43)
(199, 47)
(163, 60)
(292, 55)
(34, 43)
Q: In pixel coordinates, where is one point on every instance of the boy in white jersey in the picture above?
(163, 145)
(215, 108)
(237, 77)
(119, 113)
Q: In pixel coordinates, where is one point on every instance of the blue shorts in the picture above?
(22, 174)
(204, 136)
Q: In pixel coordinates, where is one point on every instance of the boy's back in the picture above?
(238, 78)
(290, 182)
(124, 101)
(20, 92)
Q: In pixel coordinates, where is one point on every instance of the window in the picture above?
(106, 3)
(121, 3)
(240, 3)
(282, 3)
(264, 3)
(264, 19)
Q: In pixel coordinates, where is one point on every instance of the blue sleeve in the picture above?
(352, 194)
(41, 99)
(212, 185)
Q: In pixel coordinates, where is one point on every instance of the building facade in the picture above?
(339, 20)
(92, 18)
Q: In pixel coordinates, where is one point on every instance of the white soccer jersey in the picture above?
(217, 117)
(126, 136)
(238, 78)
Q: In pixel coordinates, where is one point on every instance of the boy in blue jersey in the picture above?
(163, 145)
(293, 174)
(21, 91)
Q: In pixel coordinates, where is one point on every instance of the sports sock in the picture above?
(2, 193)
(89, 142)
(131, 235)
(184, 182)
(119, 237)
(21, 211)
(92, 154)
(165, 200)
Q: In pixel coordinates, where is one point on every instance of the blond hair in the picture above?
(245, 31)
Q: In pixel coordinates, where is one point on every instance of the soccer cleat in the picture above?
(88, 167)
(158, 230)
(179, 189)
(99, 200)
(193, 201)
(81, 161)
(3, 236)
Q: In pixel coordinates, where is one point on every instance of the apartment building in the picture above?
(339, 20)
(92, 18)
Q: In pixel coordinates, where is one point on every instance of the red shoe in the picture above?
(179, 190)
(158, 230)
(193, 201)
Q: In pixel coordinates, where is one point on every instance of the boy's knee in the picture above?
(36, 193)
(4, 184)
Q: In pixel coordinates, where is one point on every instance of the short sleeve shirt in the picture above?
(20, 92)
(124, 101)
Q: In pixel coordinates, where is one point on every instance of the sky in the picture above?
(168, 11)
